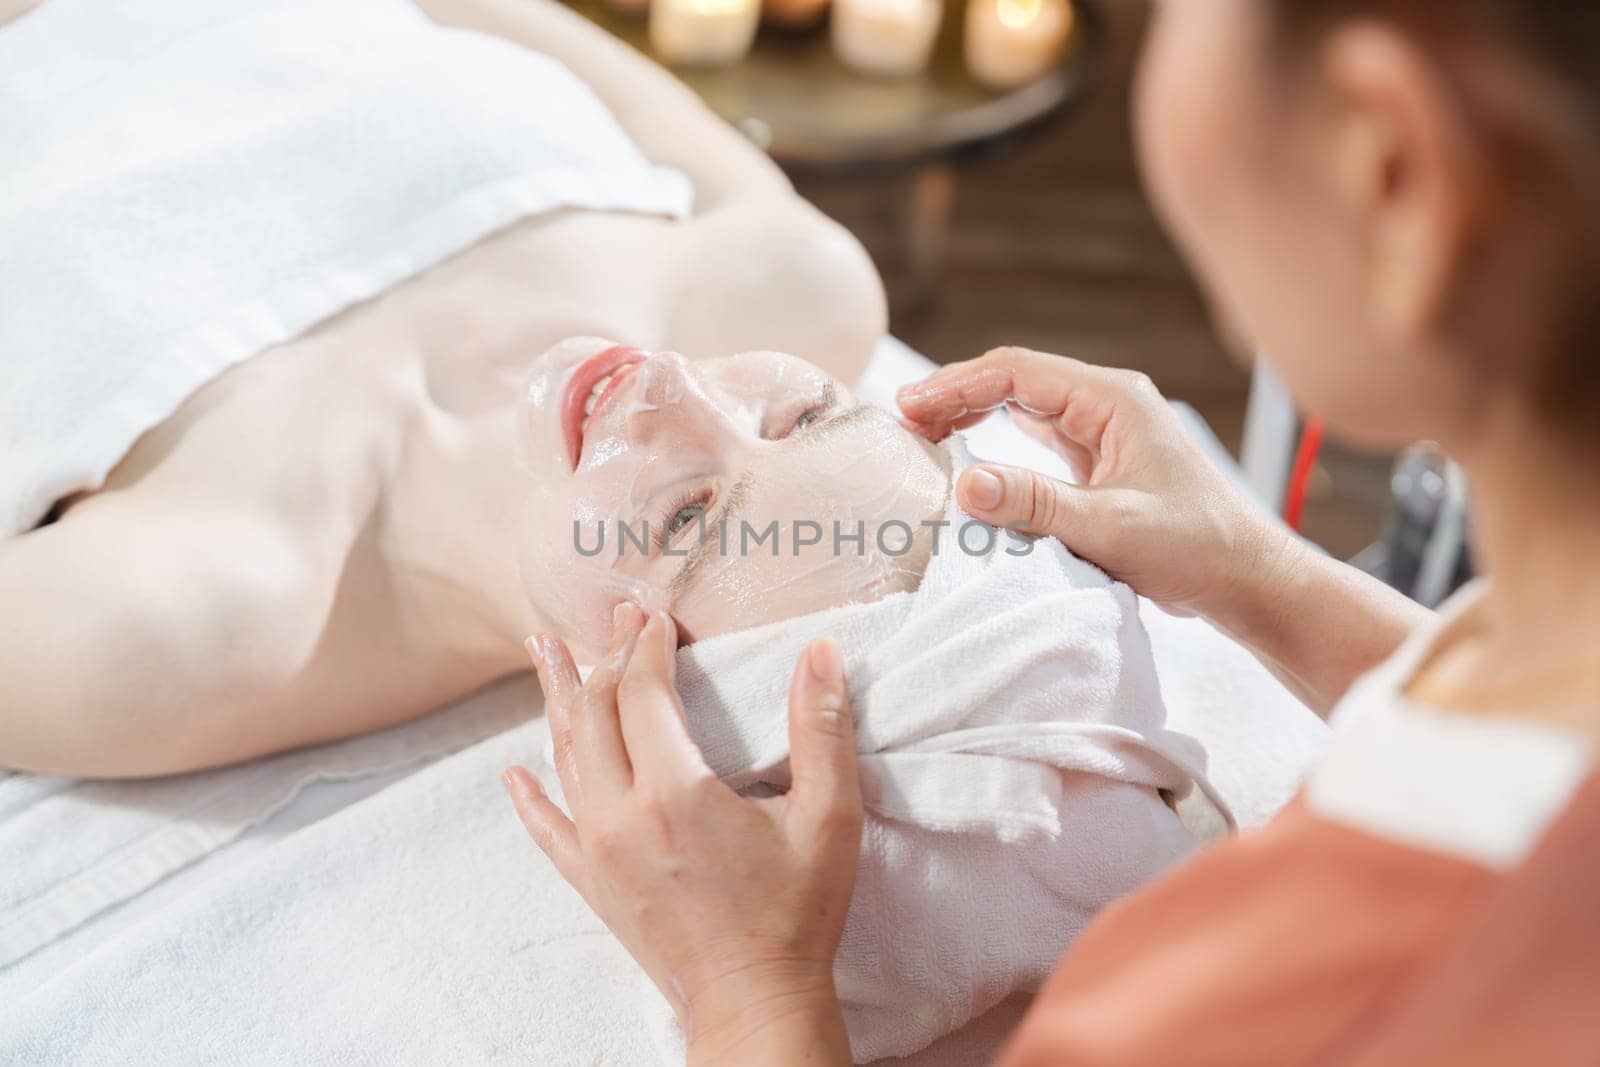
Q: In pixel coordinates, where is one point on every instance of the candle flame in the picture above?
(719, 7)
(1017, 14)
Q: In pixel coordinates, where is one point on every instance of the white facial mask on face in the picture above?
(758, 440)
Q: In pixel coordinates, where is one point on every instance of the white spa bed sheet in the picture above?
(105, 885)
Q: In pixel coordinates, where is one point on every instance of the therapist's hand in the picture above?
(1151, 509)
(1155, 512)
(734, 907)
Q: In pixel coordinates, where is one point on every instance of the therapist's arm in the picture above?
(1154, 511)
(734, 907)
(1316, 623)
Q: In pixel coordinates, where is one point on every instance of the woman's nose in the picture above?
(665, 379)
(673, 402)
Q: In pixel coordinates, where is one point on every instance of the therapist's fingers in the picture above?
(1080, 398)
(562, 687)
(825, 795)
(1080, 460)
(938, 431)
(602, 754)
(942, 422)
(1039, 381)
(1085, 520)
(653, 724)
(547, 824)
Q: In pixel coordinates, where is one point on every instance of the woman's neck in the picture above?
(1536, 535)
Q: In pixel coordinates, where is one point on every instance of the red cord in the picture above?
(1294, 501)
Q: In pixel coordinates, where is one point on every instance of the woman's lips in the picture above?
(616, 362)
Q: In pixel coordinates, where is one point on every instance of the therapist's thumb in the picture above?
(1032, 503)
(826, 792)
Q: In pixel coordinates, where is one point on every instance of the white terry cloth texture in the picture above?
(1013, 746)
(72, 851)
(188, 182)
(417, 927)
(413, 922)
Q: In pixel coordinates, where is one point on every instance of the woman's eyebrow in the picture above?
(728, 508)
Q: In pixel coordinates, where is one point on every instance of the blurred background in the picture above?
(1055, 247)
(982, 151)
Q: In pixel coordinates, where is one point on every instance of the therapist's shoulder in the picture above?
(1261, 950)
(1316, 940)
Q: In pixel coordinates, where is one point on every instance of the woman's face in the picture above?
(1251, 170)
(677, 452)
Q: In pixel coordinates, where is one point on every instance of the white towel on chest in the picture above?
(187, 182)
(1013, 749)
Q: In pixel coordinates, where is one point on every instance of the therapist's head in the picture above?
(1397, 200)
(762, 445)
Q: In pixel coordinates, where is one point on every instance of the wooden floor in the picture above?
(1055, 247)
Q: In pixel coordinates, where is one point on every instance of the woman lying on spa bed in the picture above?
(319, 542)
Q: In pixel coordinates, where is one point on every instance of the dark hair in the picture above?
(1558, 150)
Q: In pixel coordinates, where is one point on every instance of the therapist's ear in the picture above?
(1411, 169)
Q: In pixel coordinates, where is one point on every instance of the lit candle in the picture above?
(885, 38)
(1012, 42)
(703, 33)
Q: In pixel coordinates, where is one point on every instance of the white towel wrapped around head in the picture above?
(1013, 750)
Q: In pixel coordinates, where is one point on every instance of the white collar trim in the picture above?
(1480, 788)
